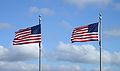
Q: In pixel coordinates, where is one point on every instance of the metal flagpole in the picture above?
(100, 40)
(40, 67)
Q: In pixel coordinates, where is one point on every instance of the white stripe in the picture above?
(26, 41)
(92, 36)
(27, 36)
(22, 35)
(80, 39)
(85, 34)
(81, 27)
(84, 39)
(80, 31)
(24, 32)
(35, 35)
(88, 32)
(80, 35)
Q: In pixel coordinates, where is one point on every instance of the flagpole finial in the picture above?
(100, 16)
(40, 18)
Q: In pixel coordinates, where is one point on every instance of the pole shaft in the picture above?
(100, 60)
(39, 58)
(100, 40)
(40, 68)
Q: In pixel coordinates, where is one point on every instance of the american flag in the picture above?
(28, 35)
(85, 33)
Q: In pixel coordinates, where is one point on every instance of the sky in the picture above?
(59, 18)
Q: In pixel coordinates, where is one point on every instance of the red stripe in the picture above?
(85, 37)
(81, 27)
(19, 36)
(25, 32)
(26, 43)
(81, 40)
(22, 30)
(21, 40)
(87, 34)
(79, 30)
(28, 36)
(78, 40)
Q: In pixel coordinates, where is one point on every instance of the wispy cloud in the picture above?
(5, 26)
(116, 5)
(65, 25)
(44, 11)
(113, 32)
(84, 3)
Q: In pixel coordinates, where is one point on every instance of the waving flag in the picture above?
(85, 33)
(28, 35)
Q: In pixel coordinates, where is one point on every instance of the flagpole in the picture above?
(100, 40)
(40, 67)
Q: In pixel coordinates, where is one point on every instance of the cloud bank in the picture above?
(17, 66)
(62, 68)
(19, 53)
(13, 59)
(86, 54)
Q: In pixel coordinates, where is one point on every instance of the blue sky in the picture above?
(59, 17)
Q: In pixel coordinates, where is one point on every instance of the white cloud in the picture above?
(62, 68)
(17, 58)
(5, 26)
(84, 3)
(17, 66)
(84, 54)
(12, 59)
(21, 66)
(19, 53)
(103, 69)
(115, 58)
(44, 11)
(75, 67)
(113, 32)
